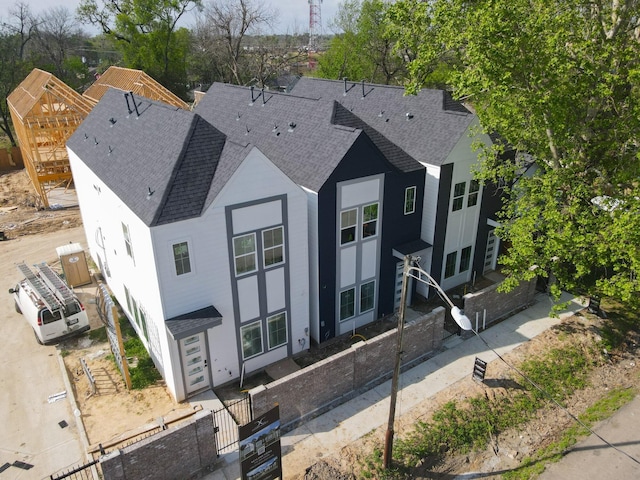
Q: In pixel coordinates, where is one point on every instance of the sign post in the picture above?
(260, 452)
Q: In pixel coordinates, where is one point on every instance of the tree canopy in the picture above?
(557, 81)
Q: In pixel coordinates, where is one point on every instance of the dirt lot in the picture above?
(113, 410)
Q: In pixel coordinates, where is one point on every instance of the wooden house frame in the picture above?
(45, 112)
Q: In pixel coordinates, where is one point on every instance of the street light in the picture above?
(460, 318)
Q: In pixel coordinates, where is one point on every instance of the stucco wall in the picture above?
(326, 384)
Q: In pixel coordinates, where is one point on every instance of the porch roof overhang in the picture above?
(410, 248)
(194, 322)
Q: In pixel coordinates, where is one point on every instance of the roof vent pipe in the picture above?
(262, 93)
(135, 105)
(363, 95)
(126, 97)
(252, 99)
(345, 86)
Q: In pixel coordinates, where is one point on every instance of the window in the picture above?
(367, 296)
(277, 328)
(128, 297)
(348, 220)
(181, 258)
(273, 246)
(458, 195)
(244, 251)
(450, 265)
(474, 188)
(409, 200)
(251, 340)
(369, 220)
(465, 259)
(127, 240)
(347, 304)
(143, 323)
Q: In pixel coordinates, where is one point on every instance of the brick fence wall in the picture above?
(330, 382)
(184, 452)
(498, 305)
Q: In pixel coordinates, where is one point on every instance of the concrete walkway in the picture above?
(327, 434)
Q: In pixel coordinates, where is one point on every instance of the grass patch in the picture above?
(145, 373)
(98, 335)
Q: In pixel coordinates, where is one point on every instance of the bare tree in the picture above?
(229, 22)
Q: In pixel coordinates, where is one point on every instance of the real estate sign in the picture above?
(260, 452)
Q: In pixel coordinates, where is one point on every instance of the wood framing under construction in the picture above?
(136, 81)
(45, 112)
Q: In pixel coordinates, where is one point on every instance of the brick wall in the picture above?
(498, 305)
(184, 452)
(326, 384)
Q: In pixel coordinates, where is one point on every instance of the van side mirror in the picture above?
(11, 290)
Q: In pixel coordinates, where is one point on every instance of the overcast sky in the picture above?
(293, 14)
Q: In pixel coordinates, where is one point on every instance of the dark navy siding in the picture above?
(442, 216)
(364, 160)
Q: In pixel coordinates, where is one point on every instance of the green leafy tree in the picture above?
(364, 50)
(147, 34)
(558, 81)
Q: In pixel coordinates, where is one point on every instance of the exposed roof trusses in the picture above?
(46, 112)
(135, 81)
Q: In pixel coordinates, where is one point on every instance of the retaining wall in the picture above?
(186, 451)
(324, 385)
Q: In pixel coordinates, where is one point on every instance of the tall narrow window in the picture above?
(409, 200)
(181, 258)
(347, 303)
(450, 265)
(251, 340)
(348, 221)
(458, 195)
(128, 297)
(474, 188)
(465, 259)
(273, 246)
(369, 220)
(244, 251)
(367, 296)
(277, 328)
(127, 239)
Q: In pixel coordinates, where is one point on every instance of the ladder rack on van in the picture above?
(60, 289)
(46, 295)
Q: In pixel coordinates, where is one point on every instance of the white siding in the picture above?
(358, 193)
(314, 292)
(348, 266)
(430, 202)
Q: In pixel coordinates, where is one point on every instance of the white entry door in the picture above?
(491, 253)
(195, 363)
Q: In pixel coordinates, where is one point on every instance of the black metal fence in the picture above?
(226, 422)
(82, 472)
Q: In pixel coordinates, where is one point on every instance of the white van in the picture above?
(49, 305)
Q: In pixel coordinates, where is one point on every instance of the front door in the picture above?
(491, 253)
(193, 350)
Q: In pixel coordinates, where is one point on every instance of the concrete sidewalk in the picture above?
(327, 434)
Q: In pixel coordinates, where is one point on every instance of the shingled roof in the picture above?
(165, 163)
(426, 126)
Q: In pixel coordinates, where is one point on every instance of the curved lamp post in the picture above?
(460, 318)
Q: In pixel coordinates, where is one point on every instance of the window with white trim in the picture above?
(474, 189)
(244, 253)
(251, 340)
(409, 200)
(367, 296)
(465, 259)
(347, 303)
(181, 258)
(127, 239)
(348, 221)
(277, 328)
(273, 246)
(458, 196)
(369, 220)
(450, 265)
